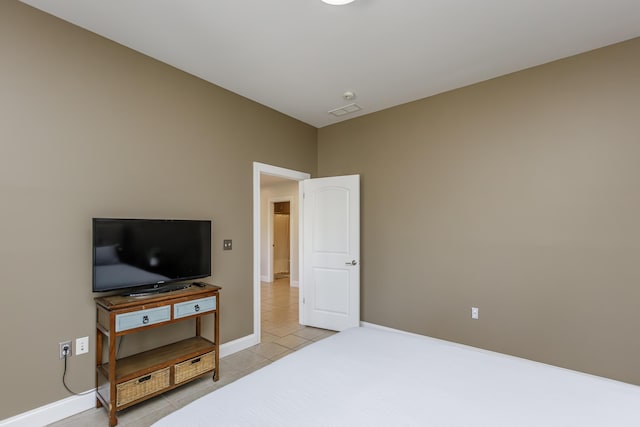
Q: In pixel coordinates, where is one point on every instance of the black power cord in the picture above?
(64, 383)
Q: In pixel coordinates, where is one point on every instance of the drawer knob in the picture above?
(145, 319)
(197, 307)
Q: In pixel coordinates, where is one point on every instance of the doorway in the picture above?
(266, 175)
(279, 232)
(281, 245)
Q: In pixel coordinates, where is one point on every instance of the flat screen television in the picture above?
(149, 255)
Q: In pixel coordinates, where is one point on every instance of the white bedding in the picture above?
(370, 377)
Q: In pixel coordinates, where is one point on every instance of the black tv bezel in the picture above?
(150, 287)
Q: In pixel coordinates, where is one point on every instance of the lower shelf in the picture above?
(152, 372)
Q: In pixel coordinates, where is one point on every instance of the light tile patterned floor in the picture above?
(281, 335)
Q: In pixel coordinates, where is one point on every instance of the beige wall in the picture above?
(520, 196)
(90, 128)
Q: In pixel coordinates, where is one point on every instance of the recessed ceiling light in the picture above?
(337, 2)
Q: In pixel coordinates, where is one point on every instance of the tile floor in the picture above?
(281, 335)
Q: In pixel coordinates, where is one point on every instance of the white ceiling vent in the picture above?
(347, 109)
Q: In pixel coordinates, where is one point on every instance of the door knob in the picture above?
(353, 262)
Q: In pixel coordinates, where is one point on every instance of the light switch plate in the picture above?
(82, 345)
(227, 245)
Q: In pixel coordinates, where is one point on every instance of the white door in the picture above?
(330, 252)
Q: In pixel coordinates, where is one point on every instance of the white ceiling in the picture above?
(300, 56)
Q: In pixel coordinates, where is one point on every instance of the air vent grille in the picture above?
(347, 109)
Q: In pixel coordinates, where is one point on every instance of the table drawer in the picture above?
(137, 319)
(195, 306)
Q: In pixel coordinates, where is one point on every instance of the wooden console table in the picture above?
(121, 383)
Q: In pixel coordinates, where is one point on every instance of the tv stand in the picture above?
(121, 383)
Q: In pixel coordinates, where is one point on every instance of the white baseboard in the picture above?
(52, 412)
(295, 284)
(240, 344)
(73, 405)
(265, 279)
(385, 328)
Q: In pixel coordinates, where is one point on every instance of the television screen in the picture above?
(130, 253)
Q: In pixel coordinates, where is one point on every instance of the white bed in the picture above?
(371, 377)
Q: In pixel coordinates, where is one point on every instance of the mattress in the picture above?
(372, 377)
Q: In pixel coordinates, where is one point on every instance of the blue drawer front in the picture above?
(192, 307)
(141, 318)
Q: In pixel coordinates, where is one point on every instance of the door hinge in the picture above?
(304, 300)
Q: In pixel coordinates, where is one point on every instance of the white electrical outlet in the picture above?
(82, 345)
(65, 349)
(474, 313)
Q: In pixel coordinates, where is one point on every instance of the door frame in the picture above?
(259, 169)
(270, 236)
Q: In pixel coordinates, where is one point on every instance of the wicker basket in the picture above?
(140, 387)
(194, 367)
